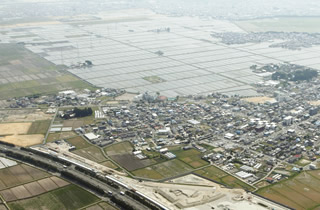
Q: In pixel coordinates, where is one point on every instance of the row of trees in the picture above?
(33, 161)
(82, 112)
(72, 176)
(300, 75)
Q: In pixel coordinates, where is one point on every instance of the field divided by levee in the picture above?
(69, 197)
(156, 167)
(24, 73)
(101, 206)
(299, 192)
(281, 24)
(91, 153)
(24, 133)
(218, 175)
(25, 187)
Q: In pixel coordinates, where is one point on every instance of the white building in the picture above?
(243, 175)
(312, 166)
(288, 120)
(67, 93)
(247, 168)
(193, 122)
(163, 150)
(91, 136)
(229, 136)
(164, 131)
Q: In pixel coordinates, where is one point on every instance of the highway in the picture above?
(61, 169)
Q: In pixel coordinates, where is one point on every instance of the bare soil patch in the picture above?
(24, 115)
(35, 173)
(8, 178)
(73, 123)
(24, 140)
(14, 128)
(259, 100)
(3, 207)
(20, 192)
(59, 182)
(314, 103)
(21, 174)
(192, 180)
(126, 97)
(2, 185)
(61, 135)
(8, 195)
(34, 188)
(47, 184)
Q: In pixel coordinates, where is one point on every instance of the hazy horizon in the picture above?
(224, 9)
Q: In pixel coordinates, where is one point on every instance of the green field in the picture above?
(163, 170)
(191, 157)
(220, 176)
(152, 154)
(77, 122)
(302, 162)
(19, 174)
(119, 148)
(33, 74)
(156, 166)
(109, 164)
(154, 79)
(207, 147)
(78, 142)
(92, 153)
(69, 197)
(60, 135)
(300, 192)
(101, 206)
(39, 127)
(122, 154)
(25, 20)
(282, 24)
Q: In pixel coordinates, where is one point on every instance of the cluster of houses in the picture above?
(65, 98)
(250, 139)
(289, 40)
(96, 134)
(253, 137)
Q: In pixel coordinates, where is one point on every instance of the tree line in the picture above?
(82, 112)
(300, 75)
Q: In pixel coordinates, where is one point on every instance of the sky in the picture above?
(223, 9)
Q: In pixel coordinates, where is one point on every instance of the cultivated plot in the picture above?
(191, 157)
(122, 154)
(299, 192)
(222, 177)
(69, 197)
(132, 55)
(23, 134)
(92, 153)
(163, 170)
(25, 73)
(19, 174)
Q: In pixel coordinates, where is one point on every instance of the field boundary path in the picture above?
(48, 131)
(237, 177)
